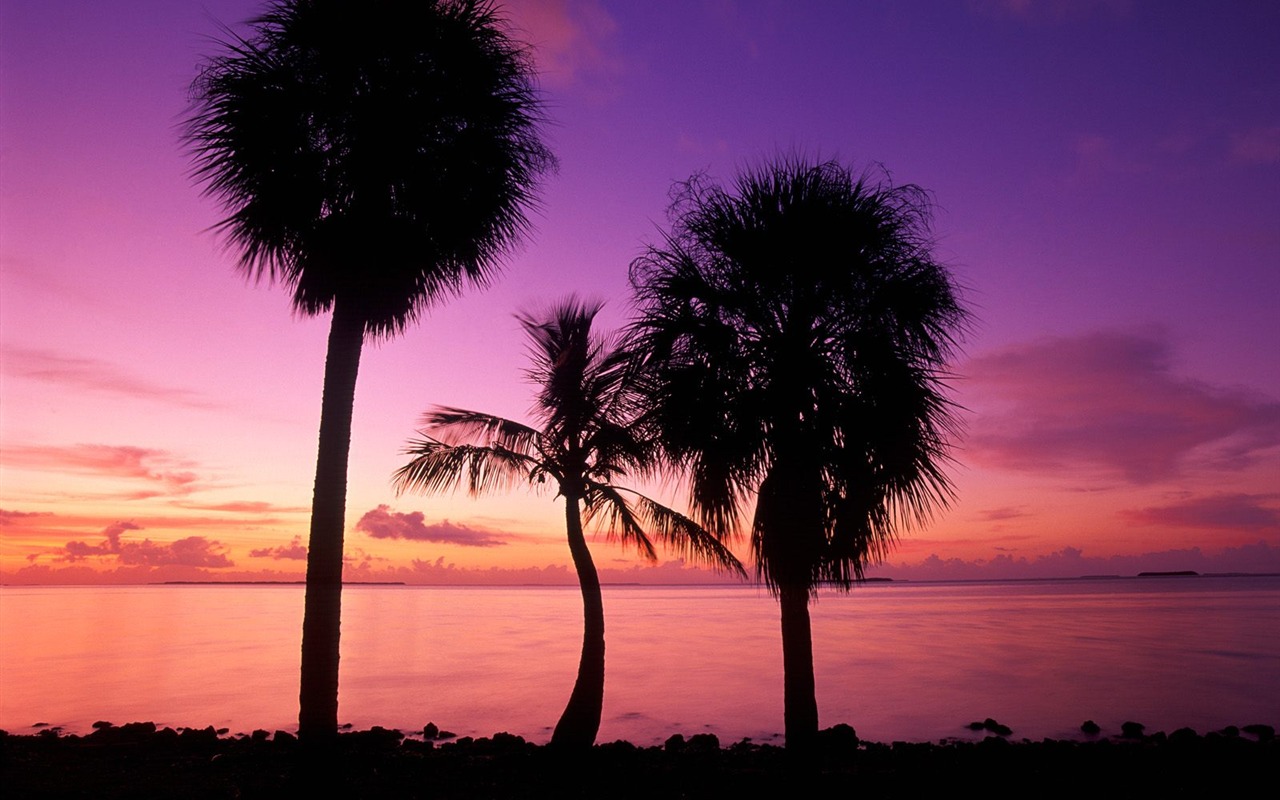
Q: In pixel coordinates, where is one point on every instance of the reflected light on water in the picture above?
(902, 661)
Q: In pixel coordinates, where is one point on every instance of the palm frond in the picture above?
(458, 425)
(604, 505)
(437, 467)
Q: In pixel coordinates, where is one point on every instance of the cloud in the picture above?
(7, 517)
(383, 523)
(1050, 11)
(192, 551)
(1110, 400)
(569, 38)
(1071, 562)
(294, 550)
(1257, 146)
(167, 474)
(1000, 514)
(1246, 512)
(93, 375)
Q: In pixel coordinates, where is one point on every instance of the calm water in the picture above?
(902, 661)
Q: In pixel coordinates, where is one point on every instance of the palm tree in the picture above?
(373, 158)
(798, 329)
(590, 411)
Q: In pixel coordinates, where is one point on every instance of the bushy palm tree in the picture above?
(799, 327)
(373, 158)
(591, 435)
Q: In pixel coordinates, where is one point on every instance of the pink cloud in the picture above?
(569, 37)
(1000, 514)
(295, 550)
(1247, 512)
(1050, 11)
(192, 551)
(1110, 401)
(166, 474)
(1071, 562)
(1257, 145)
(383, 523)
(94, 375)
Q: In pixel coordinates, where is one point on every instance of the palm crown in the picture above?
(592, 434)
(798, 328)
(382, 152)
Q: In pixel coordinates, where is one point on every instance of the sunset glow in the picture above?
(1107, 184)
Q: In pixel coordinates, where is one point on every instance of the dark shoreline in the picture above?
(137, 760)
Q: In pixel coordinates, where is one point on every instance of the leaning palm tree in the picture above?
(590, 411)
(798, 329)
(374, 158)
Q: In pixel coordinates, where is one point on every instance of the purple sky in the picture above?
(1107, 180)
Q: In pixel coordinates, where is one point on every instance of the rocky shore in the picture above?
(137, 760)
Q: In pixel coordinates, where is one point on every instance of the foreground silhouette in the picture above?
(798, 328)
(381, 763)
(373, 158)
(589, 406)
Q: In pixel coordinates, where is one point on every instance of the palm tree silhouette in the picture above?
(373, 158)
(798, 329)
(590, 408)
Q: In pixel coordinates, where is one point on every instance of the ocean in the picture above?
(897, 661)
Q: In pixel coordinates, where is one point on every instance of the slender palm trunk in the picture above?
(580, 721)
(800, 704)
(318, 695)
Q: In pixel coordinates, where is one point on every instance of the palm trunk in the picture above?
(800, 704)
(580, 721)
(321, 621)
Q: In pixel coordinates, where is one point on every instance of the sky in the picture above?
(1106, 179)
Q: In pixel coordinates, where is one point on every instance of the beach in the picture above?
(138, 760)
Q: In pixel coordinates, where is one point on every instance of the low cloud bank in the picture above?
(192, 551)
(383, 523)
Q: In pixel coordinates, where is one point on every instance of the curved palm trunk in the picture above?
(318, 695)
(800, 704)
(580, 721)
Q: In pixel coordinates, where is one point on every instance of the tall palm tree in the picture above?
(798, 328)
(591, 435)
(373, 158)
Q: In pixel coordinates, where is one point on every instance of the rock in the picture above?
(674, 743)
(703, 743)
(1184, 736)
(1132, 730)
(1090, 727)
(839, 737)
(996, 728)
(100, 724)
(1264, 733)
(1231, 731)
(430, 731)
